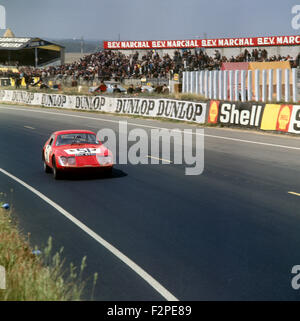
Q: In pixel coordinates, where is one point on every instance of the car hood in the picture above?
(82, 150)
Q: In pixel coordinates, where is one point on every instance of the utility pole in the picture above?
(36, 57)
(205, 37)
(82, 45)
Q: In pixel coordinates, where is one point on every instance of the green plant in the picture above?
(31, 277)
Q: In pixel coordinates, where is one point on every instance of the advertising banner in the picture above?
(270, 116)
(167, 108)
(239, 113)
(294, 126)
(274, 117)
(283, 118)
(205, 43)
(174, 109)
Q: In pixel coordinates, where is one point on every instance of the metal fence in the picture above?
(244, 85)
(69, 80)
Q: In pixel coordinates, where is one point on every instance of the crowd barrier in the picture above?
(267, 117)
(244, 85)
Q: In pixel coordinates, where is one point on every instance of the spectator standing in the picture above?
(102, 87)
(138, 89)
(18, 81)
(116, 89)
(28, 80)
(165, 90)
(130, 90)
(298, 60)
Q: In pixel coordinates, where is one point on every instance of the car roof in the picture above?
(71, 131)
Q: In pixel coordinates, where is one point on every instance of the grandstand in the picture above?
(33, 51)
(148, 65)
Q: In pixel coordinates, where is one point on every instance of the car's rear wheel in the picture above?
(56, 172)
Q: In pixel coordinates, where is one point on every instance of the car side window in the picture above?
(51, 141)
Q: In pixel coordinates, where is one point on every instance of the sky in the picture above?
(149, 19)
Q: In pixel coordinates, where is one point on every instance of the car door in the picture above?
(48, 149)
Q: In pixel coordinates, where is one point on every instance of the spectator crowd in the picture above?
(107, 65)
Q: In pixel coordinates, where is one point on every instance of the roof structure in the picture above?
(9, 34)
(15, 43)
(29, 51)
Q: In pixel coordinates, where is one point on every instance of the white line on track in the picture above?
(137, 269)
(154, 127)
(294, 193)
(162, 159)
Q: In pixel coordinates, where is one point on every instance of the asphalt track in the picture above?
(232, 233)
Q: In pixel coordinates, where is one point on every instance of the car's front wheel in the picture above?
(56, 172)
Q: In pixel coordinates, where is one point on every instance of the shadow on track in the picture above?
(80, 176)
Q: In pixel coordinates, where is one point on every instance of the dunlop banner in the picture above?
(174, 109)
(167, 108)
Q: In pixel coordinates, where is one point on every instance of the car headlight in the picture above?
(65, 161)
(71, 161)
(103, 160)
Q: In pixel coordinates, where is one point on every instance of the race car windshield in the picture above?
(76, 138)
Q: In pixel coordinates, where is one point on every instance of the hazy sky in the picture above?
(149, 19)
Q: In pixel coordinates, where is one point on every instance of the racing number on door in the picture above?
(47, 153)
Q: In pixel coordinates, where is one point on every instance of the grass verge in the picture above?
(31, 277)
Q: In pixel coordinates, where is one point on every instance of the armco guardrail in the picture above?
(166, 108)
(268, 117)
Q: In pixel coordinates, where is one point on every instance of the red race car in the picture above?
(73, 150)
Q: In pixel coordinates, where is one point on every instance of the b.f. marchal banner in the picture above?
(167, 108)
